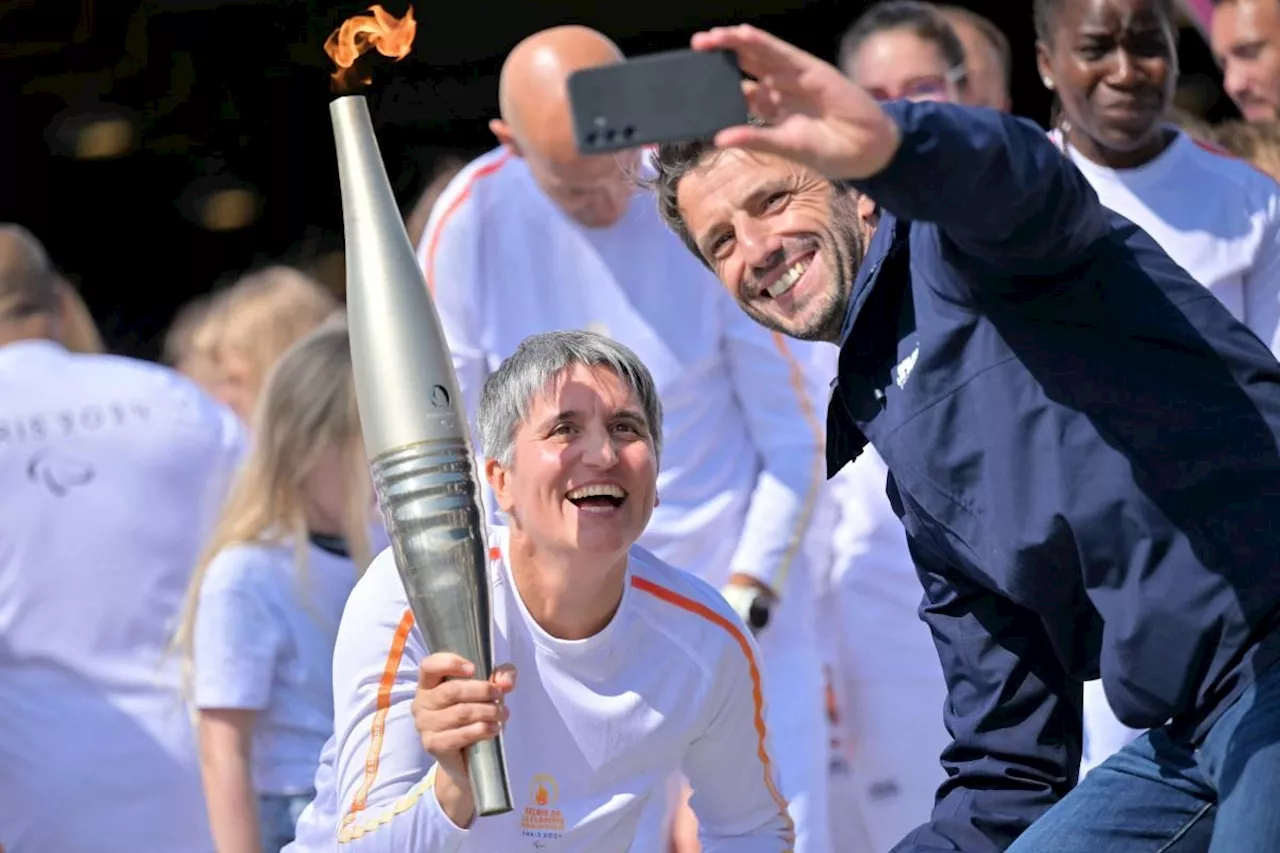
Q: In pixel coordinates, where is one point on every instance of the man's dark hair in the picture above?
(989, 31)
(1045, 13)
(922, 19)
(672, 162)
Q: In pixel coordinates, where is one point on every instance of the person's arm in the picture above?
(994, 184)
(774, 391)
(226, 737)
(730, 768)
(233, 662)
(452, 263)
(1262, 284)
(383, 776)
(1014, 716)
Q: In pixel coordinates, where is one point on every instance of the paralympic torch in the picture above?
(415, 430)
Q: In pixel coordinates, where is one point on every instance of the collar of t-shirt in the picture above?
(335, 545)
(566, 648)
(1158, 170)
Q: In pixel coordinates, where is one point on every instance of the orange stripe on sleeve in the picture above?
(381, 709)
(757, 688)
(433, 239)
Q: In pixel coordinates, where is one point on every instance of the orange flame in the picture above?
(541, 797)
(390, 36)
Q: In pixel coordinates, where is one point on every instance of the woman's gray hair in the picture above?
(510, 390)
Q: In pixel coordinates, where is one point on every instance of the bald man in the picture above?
(111, 471)
(988, 58)
(533, 237)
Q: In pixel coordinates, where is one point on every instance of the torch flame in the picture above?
(390, 36)
(541, 797)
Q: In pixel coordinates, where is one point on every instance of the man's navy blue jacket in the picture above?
(1082, 445)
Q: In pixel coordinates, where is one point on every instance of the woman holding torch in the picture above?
(620, 670)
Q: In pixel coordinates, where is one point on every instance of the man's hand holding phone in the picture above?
(811, 112)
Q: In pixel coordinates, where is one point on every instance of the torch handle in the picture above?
(488, 774)
(430, 498)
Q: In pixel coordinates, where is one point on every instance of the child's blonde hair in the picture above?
(263, 314)
(307, 407)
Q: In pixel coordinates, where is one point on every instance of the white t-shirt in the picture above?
(596, 728)
(264, 642)
(1216, 216)
(742, 465)
(112, 472)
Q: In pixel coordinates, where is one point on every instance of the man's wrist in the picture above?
(889, 141)
(885, 143)
(751, 599)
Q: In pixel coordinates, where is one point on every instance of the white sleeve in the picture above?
(773, 388)
(453, 264)
(382, 774)
(1262, 284)
(729, 766)
(237, 637)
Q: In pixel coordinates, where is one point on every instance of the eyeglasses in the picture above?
(936, 87)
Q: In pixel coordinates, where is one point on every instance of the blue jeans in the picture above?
(1160, 795)
(277, 818)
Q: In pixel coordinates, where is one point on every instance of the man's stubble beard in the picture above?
(843, 247)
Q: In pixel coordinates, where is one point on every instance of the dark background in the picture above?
(233, 93)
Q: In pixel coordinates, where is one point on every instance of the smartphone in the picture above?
(672, 96)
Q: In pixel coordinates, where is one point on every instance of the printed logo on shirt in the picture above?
(541, 818)
(59, 472)
(902, 372)
(883, 789)
(45, 426)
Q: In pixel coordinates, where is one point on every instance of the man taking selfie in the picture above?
(1081, 443)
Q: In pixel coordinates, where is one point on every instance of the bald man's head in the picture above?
(987, 57)
(537, 124)
(28, 283)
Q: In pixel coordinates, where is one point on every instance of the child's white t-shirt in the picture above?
(264, 641)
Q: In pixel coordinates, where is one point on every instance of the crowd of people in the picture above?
(709, 527)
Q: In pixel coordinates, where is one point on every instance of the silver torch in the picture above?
(415, 430)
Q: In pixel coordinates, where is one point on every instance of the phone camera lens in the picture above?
(610, 135)
(592, 139)
(628, 132)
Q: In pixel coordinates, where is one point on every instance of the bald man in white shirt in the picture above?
(111, 471)
(532, 237)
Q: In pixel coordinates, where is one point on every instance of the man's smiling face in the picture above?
(783, 239)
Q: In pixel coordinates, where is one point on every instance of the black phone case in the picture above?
(661, 97)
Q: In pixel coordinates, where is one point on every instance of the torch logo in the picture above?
(439, 396)
(541, 818)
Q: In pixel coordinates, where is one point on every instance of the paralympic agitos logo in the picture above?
(57, 471)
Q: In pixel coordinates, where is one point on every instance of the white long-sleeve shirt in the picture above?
(742, 467)
(1216, 216)
(112, 472)
(596, 726)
